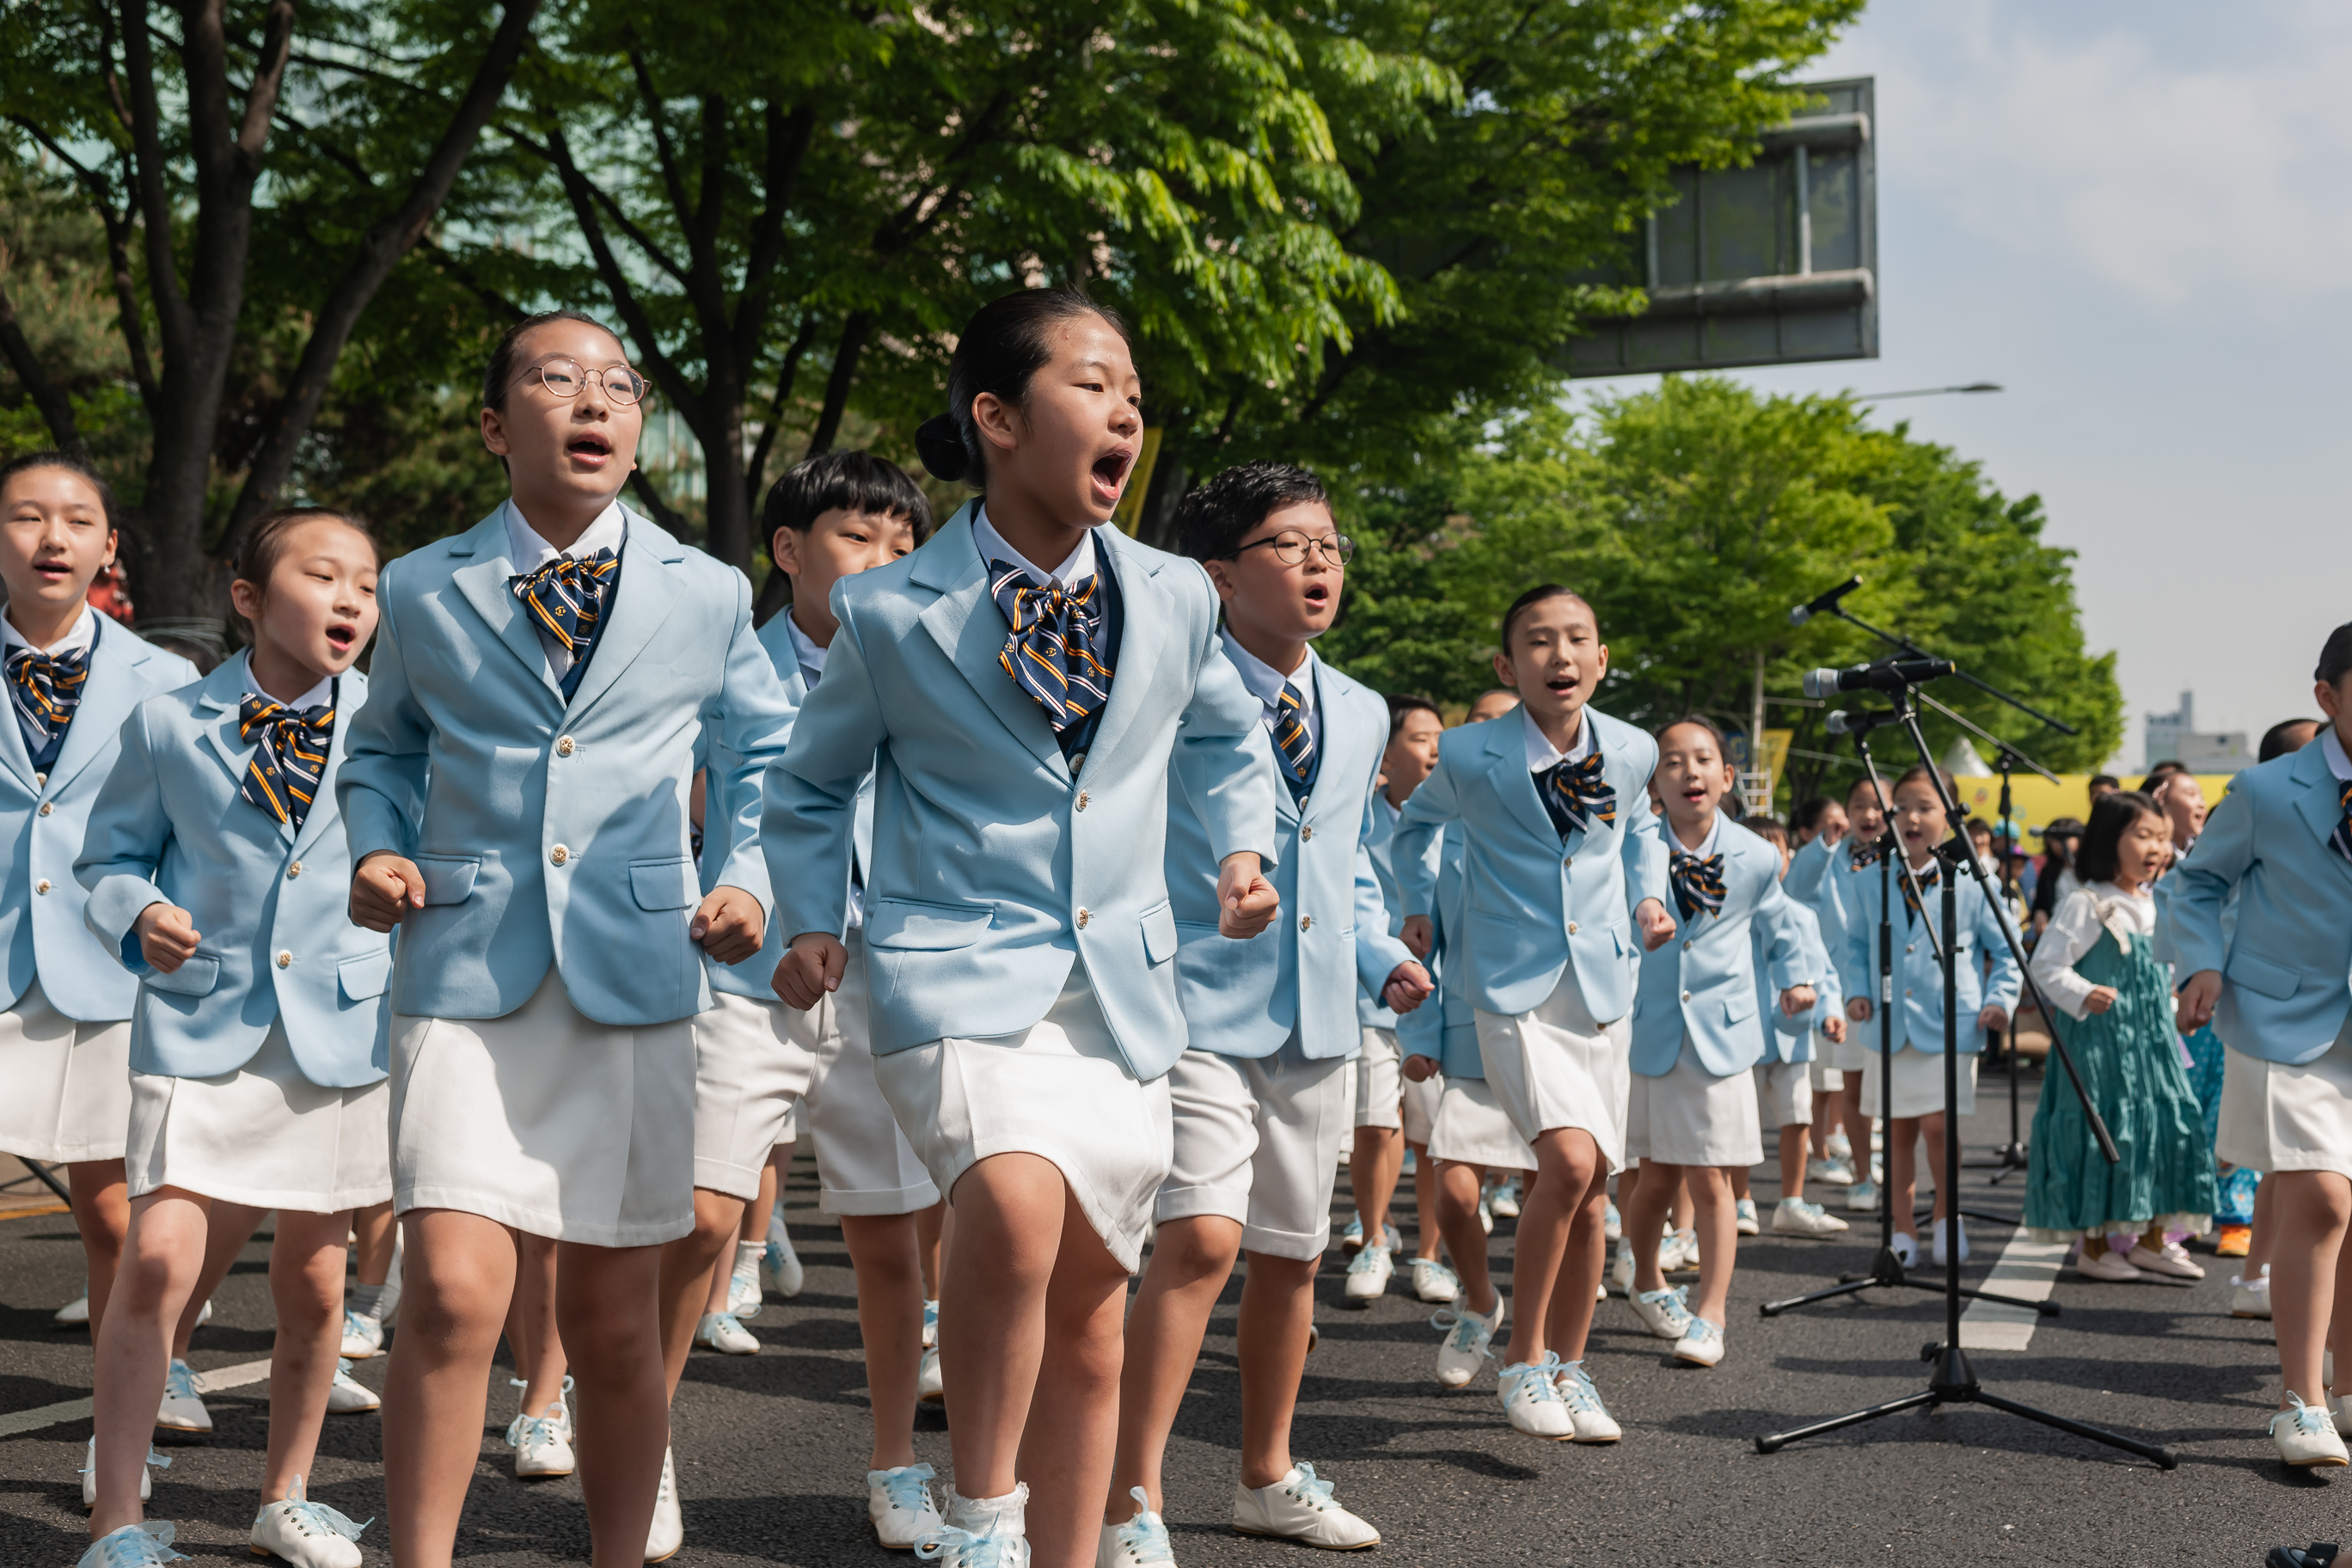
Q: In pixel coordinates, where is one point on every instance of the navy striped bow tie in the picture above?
(1915, 887)
(1292, 743)
(1697, 883)
(288, 757)
(46, 690)
(1050, 653)
(566, 598)
(1577, 793)
(1866, 854)
(2342, 837)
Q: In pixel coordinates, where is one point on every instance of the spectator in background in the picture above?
(2103, 783)
(1820, 817)
(2055, 878)
(2292, 736)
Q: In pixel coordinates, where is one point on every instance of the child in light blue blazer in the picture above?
(1787, 1086)
(1567, 878)
(65, 1003)
(1020, 687)
(217, 872)
(517, 796)
(1856, 857)
(2274, 988)
(1258, 1097)
(1698, 1029)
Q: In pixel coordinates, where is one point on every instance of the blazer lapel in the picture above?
(351, 693)
(2320, 798)
(483, 584)
(1337, 747)
(1508, 771)
(966, 624)
(107, 698)
(647, 592)
(1145, 611)
(12, 748)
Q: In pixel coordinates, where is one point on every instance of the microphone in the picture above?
(1893, 675)
(1843, 723)
(1825, 605)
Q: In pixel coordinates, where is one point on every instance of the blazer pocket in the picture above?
(905, 923)
(2260, 974)
(364, 978)
(194, 978)
(449, 879)
(1159, 933)
(1740, 1007)
(664, 884)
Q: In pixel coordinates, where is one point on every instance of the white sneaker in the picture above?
(2305, 1436)
(1433, 1281)
(743, 1284)
(779, 1266)
(307, 1534)
(1300, 1507)
(1701, 1344)
(1351, 1239)
(1531, 1402)
(1906, 1249)
(1861, 1197)
(146, 1476)
(1369, 1275)
(930, 1387)
(898, 1504)
(1829, 1172)
(721, 1331)
(2172, 1262)
(1613, 1223)
(74, 1314)
(930, 1324)
(1140, 1543)
(1795, 1216)
(1620, 1270)
(2109, 1266)
(1961, 1228)
(133, 1546)
(1681, 1253)
(363, 1336)
(542, 1443)
(1467, 1336)
(203, 1314)
(1485, 1215)
(2339, 1411)
(1840, 1146)
(183, 1409)
(1506, 1200)
(347, 1395)
(1743, 1217)
(981, 1533)
(1586, 1416)
(668, 1532)
(2251, 1298)
(1665, 1313)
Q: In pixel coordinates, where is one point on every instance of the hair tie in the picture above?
(940, 446)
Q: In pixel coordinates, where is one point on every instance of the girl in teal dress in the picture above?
(2096, 964)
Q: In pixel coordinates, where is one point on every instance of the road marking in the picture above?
(2028, 1269)
(219, 1380)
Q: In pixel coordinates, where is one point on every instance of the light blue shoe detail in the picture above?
(1354, 1235)
(1466, 1332)
(988, 1550)
(559, 1423)
(133, 1546)
(180, 1382)
(904, 1486)
(316, 1517)
(1144, 1538)
(1367, 1260)
(1574, 1386)
(1675, 1303)
(930, 1324)
(1408, 1167)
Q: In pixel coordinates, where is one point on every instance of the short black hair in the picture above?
(1807, 817)
(1402, 703)
(1537, 595)
(1722, 742)
(78, 466)
(2335, 656)
(1768, 828)
(2112, 817)
(2107, 779)
(851, 480)
(1212, 519)
(2274, 742)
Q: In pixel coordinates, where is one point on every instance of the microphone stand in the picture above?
(2011, 1157)
(1954, 1380)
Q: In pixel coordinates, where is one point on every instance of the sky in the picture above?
(2136, 217)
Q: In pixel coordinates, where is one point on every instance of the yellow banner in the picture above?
(2036, 803)
(1129, 513)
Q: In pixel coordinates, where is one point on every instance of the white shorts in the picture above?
(547, 1121)
(1059, 1090)
(748, 1069)
(1420, 1102)
(1690, 1117)
(262, 1135)
(1919, 1083)
(1558, 1066)
(1254, 1144)
(1853, 1053)
(1784, 1094)
(1826, 1078)
(864, 1163)
(1379, 1081)
(68, 1083)
(1472, 1130)
(2280, 1117)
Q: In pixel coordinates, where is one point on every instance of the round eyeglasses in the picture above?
(569, 378)
(1290, 547)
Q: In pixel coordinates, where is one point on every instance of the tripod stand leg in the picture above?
(1774, 1308)
(1773, 1442)
(2047, 1309)
(2161, 1455)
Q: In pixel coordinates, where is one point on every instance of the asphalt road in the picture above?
(771, 1449)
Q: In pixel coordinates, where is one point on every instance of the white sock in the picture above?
(1006, 1515)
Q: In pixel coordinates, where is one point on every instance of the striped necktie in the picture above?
(1292, 742)
(2341, 840)
(46, 689)
(288, 756)
(566, 598)
(1913, 893)
(1050, 653)
(1697, 883)
(1576, 793)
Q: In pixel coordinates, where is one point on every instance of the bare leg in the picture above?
(306, 1286)
(101, 1213)
(377, 1230)
(1465, 1239)
(1643, 1215)
(1570, 1317)
(755, 1213)
(459, 1273)
(883, 1253)
(1793, 1139)
(992, 1319)
(531, 1333)
(1278, 1306)
(1424, 1204)
(1931, 1130)
(685, 1275)
(1719, 1236)
(2309, 1216)
(227, 1227)
(2265, 1225)
(1191, 1260)
(1557, 1240)
(1372, 1172)
(1072, 1432)
(1738, 1181)
(931, 1243)
(162, 1253)
(1856, 1123)
(1903, 1171)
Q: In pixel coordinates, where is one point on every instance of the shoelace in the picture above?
(1364, 1263)
(180, 1382)
(527, 1427)
(1579, 1393)
(1699, 1329)
(1310, 1488)
(350, 1322)
(1470, 1334)
(1538, 1374)
(724, 1321)
(136, 1545)
(905, 1487)
(2310, 1420)
(343, 1370)
(1145, 1536)
(316, 1518)
(1675, 1297)
(985, 1550)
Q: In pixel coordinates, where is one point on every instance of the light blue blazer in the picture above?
(1703, 985)
(1809, 869)
(2285, 991)
(1538, 905)
(548, 833)
(1245, 997)
(1380, 838)
(994, 868)
(271, 905)
(1985, 971)
(42, 821)
(1444, 1027)
(1791, 1039)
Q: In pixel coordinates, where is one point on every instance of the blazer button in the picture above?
(41, 781)
(1911, 948)
(1083, 916)
(48, 806)
(1082, 800)
(42, 886)
(1686, 996)
(1907, 993)
(559, 855)
(285, 958)
(294, 870)
(1687, 944)
(1567, 860)
(1571, 928)
(564, 747)
(1305, 832)
(1306, 923)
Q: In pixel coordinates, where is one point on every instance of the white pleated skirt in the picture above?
(1058, 1089)
(547, 1122)
(67, 1084)
(2280, 1117)
(1918, 1083)
(262, 1135)
(1473, 1130)
(1688, 1116)
(1558, 1066)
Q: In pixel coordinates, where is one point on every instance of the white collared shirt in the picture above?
(2073, 930)
(1706, 846)
(78, 640)
(2331, 748)
(993, 547)
(324, 692)
(529, 552)
(1265, 684)
(1542, 753)
(810, 657)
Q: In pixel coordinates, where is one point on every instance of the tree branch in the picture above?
(836, 385)
(788, 144)
(755, 471)
(672, 521)
(56, 408)
(173, 320)
(118, 257)
(672, 179)
(613, 210)
(268, 77)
